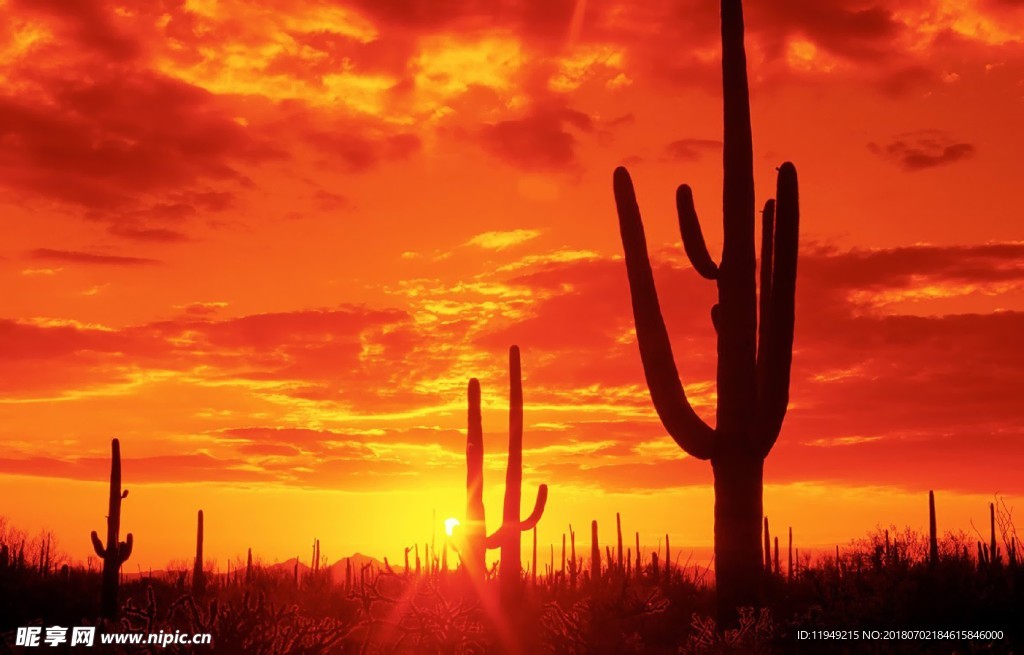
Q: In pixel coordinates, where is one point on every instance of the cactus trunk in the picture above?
(618, 533)
(573, 569)
(668, 561)
(475, 529)
(767, 547)
(993, 550)
(789, 562)
(511, 546)
(116, 552)
(533, 568)
(933, 540)
(738, 513)
(198, 579)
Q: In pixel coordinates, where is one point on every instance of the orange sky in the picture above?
(267, 243)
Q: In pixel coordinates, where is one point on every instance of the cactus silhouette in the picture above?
(753, 367)
(618, 532)
(116, 552)
(767, 547)
(507, 536)
(933, 540)
(198, 578)
(474, 558)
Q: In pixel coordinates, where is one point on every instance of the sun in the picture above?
(449, 525)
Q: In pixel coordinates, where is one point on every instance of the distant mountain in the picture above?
(287, 565)
(337, 570)
(357, 562)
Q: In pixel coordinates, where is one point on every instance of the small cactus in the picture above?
(115, 553)
(198, 578)
(993, 549)
(933, 541)
(618, 531)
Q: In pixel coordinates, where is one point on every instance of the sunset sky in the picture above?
(266, 244)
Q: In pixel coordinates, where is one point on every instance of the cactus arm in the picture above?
(778, 354)
(97, 545)
(124, 550)
(764, 297)
(493, 540)
(538, 510)
(693, 239)
(667, 393)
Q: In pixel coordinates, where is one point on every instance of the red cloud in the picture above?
(691, 149)
(948, 380)
(920, 150)
(539, 141)
(77, 257)
(848, 27)
(89, 24)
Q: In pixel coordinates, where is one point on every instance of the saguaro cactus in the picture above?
(933, 540)
(618, 532)
(993, 549)
(474, 558)
(753, 367)
(198, 578)
(767, 547)
(507, 536)
(115, 553)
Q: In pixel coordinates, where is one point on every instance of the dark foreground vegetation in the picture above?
(887, 580)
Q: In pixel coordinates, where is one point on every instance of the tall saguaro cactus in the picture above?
(116, 552)
(507, 536)
(474, 558)
(753, 364)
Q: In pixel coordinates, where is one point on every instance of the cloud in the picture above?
(931, 378)
(539, 141)
(357, 152)
(78, 257)
(849, 28)
(152, 234)
(691, 149)
(378, 394)
(100, 143)
(160, 468)
(88, 24)
(503, 240)
(917, 151)
(282, 353)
